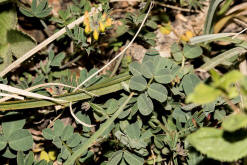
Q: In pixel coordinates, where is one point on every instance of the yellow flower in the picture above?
(51, 155)
(108, 22)
(184, 38)
(101, 27)
(87, 29)
(86, 14)
(95, 34)
(86, 21)
(44, 156)
(189, 34)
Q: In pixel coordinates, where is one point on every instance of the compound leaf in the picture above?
(48, 134)
(11, 126)
(21, 140)
(58, 59)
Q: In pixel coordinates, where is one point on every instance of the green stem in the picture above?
(97, 134)
(108, 86)
(117, 65)
(150, 81)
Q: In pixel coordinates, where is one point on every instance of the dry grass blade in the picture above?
(11, 96)
(221, 58)
(45, 85)
(26, 93)
(209, 37)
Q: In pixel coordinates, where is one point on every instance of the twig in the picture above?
(70, 62)
(176, 7)
(240, 22)
(116, 57)
(40, 46)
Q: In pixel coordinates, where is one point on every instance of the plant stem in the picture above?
(150, 81)
(98, 133)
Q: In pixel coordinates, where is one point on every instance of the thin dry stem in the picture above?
(26, 93)
(41, 86)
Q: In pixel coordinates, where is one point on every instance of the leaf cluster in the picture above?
(39, 9)
(14, 138)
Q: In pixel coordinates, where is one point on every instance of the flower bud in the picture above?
(95, 34)
(108, 22)
(87, 29)
(101, 27)
(103, 17)
(86, 14)
(86, 21)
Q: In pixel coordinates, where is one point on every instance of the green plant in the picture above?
(154, 112)
(38, 9)
(232, 137)
(14, 43)
(14, 138)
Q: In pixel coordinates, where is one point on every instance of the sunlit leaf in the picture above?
(203, 94)
(219, 145)
(234, 122)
